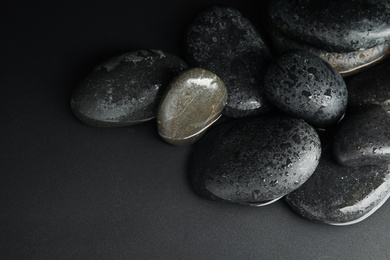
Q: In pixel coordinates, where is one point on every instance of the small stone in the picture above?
(335, 26)
(193, 101)
(364, 139)
(254, 161)
(303, 85)
(125, 90)
(340, 195)
(223, 41)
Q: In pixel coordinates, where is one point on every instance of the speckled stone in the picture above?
(254, 161)
(125, 90)
(369, 88)
(336, 25)
(193, 101)
(223, 41)
(303, 85)
(364, 139)
(340, 195)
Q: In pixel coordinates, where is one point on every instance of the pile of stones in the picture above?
(307, 122)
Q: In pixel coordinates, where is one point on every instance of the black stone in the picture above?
(303, 85)
(340, 195)
(125, 90)
(221, 40)
(336, 25)
(364, 139)
(254, 161)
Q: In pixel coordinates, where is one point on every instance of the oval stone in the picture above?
(335, 26)
(125, 90)
(193, 101)
(254, 161)
(223, 41)
(303, 85)
(340, 195)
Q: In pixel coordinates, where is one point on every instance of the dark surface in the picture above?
(71, 191)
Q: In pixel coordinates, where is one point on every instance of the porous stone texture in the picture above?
(364, 139)
(303, 85)
(256, 160)
(340, 195)
(125, 90)
(223, 41)
(336, 25)
(193, 101)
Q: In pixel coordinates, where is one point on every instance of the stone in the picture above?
(223, 41)
(338, 195)
(193, 101)
(254, 161)
(336, 25)
(125, 90)
(303, 85)
(369, 88)
(364, 139)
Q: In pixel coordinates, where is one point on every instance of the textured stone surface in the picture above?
(256, 160)
(341, 195)
(125, 90)
(369, 88)
(193, 101)
(303, 85)
(221, 40)
(336, 25)
(364, 139)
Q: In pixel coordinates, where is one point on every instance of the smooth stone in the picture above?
(335, 26)
(125, 90)
(303, 85)
(340, 195)
(223, 41)
(369, 88)
(254, 161)
(364, 139)
(193, 101)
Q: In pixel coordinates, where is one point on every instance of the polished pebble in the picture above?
(193, 101)
(125, 90)
(223, 41)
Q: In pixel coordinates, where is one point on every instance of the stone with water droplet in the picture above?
(125, 90)
(340, 195)
(310, 90)
(242, 152)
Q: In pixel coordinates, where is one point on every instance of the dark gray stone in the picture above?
(125, 90)
(254, 161)
(364, 139)
(193, 101)
(303, 85)
(223, 41)
(340, 195)
(336, 25)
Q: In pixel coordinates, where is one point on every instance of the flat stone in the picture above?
(335, 26)
(364, 139)
(303, 85)
(223, 41)
(340, 195)
(193, 101)
(254, 161)
(125, 90)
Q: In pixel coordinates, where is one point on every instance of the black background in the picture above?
(71, 191)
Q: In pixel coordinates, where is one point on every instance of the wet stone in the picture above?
(125, 90)
(364, 139)
(303, 85)
(223, 41)
(335, 26)
(193, 101)
(254, 161)
(340, 195)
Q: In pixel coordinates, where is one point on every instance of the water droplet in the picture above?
(274, 183)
